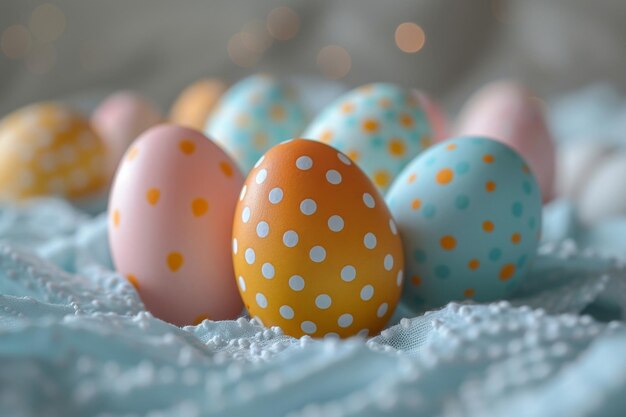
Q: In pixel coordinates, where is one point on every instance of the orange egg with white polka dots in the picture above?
(315, 248)
(49, 149)
(170, 215)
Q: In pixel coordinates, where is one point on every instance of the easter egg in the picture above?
(170, 224)
(49, 149)
(315, 248)
(469, 212)
(576, 164)
(507, 112)
(379, 126)
(254, 115)
(196, 103)
(435, 114)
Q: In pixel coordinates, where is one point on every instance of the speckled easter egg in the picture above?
(382, 127)
(170, 224)
(507, 112)
(469, 212)
(315, 248)
(49, 149)
(195, 103)
(436, 116)
(254, 115)
(119, 119)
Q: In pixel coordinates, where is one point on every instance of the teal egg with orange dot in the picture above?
(253, 115)
(381, 127)
(469, 213)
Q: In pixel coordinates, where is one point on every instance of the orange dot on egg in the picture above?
(490, 186)
(116, 218)
(473, 264)
(199, 206)
(347, 108)
(175, 261)
(448, 242)
(132, 153)
(516, 238)
(507, 272)
(451, 147)
(187, 147)
(200, 319)
(444, 176)
(416, 204)
(488, 226)
(226, 168)
(326, 136)
(384, 103)
(526, 169)
(412, 178)
(469, 292)
(397, 147)
(382, 178)
(416, 280)
(426, 141)
(371, 125)
(406, 120)
(354, 155)
(277, 113)
(488, 158)
(133, 281)
(153, 195)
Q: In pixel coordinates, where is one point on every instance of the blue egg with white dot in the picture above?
(253, 115)
(469, 212)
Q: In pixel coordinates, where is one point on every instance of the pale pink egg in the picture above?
(120, 118)
(509, 113)
(170, 224)
(436, 116)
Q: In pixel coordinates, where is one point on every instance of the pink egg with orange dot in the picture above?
(120, 118)
(170, 219)
(509, 113)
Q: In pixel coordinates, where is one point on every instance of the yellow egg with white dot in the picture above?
(50, 149)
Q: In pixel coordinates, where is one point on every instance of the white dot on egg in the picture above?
(296, 283)
(308, 327)
(259, 162)
(242, 283)
(276, 195)
(308, 206)
(382, 309)
(399, 277)
(331, 335)
(335, 223)
(388, 262)
(393, 227)
(290, 238)
(363, 332)
(268, 270)
(262, 229)
(333, 177)
(323, 301)
(304, 163)
(261, 300)
(235, 246)
(343, 158)
(243, 192)
(369, 200)
(317, 254)
(367, 292)
(369, 240)
(245, 214)
(345, 320)
(250, 256)
(286, 312)
(261, 176)
(348, 273)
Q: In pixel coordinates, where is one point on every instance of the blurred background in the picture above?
(80, 51)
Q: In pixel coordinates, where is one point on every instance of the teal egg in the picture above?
(382, 127)
(469, 212)
(253, 115)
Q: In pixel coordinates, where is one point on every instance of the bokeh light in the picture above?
(410, 37)
(47, 23)
(283, 23)
(239, 53)
(334, 61)
(16, 42)
(255, 37)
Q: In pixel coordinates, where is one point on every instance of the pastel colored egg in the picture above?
(380, 126)
(254, 115)
(469, 212)
(195, 103)
(315, 248)
(436, 116)
(119, 119)
(49, 149)
(170, 224)
(604, 194)
(576, 163)
(507, 112)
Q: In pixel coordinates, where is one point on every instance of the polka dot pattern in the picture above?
(253, 115)
(48, 149)
(327, 255)
(464, 238)
(194, 209)
(382, 127)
